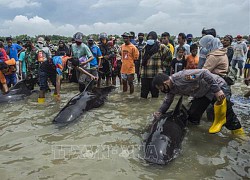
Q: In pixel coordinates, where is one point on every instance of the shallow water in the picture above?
(106, 143)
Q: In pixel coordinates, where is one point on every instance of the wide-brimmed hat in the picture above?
(40, 40)
(90, 38)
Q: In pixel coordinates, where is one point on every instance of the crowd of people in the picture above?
(202, 70)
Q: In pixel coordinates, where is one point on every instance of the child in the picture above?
(178, 63)
(192, 59)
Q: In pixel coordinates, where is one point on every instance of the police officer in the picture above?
(204, 87)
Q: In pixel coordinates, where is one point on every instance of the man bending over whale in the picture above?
(206, 88)
(53, 69)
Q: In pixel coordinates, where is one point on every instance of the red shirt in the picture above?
(3, 55)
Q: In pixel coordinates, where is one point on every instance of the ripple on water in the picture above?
(105, 143)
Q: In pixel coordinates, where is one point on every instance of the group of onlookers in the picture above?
(105, 60)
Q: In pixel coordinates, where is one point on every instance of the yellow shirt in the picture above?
(171, 48)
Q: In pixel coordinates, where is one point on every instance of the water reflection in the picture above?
(106, 143)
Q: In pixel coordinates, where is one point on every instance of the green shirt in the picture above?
(80, 51)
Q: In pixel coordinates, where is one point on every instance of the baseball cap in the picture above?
(189, 36)
(239, 37)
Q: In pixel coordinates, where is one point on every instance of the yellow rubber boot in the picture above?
(41, 100)
(238, 132)
(220, 110)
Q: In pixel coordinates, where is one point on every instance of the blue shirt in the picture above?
(21, 58)
(13, 50)
(96, 53)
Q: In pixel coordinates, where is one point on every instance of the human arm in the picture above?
(87, 61)
(169, 98)
(58, 87)
(135, 53)
(210, 63)
(245, 48)
(99, 56)
(215, 88)
(86, 72)
(5, 88)
(88, 54)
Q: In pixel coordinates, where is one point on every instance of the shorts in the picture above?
(247, 64)
(43, 79)
(11, 79)
(127, 76)
(239, 62)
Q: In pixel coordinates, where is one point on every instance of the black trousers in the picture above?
(199, 105)
(146, 87)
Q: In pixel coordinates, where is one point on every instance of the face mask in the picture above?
(78, 43)
(90, 43)
(40, 45)
(165, 90)
(179, 55)
(140, 39)
(150, 42)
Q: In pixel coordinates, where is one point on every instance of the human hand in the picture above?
(84, 63)
(157, 115)
(220, 95)
(94, 78)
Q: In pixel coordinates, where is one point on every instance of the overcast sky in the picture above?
(65, 17)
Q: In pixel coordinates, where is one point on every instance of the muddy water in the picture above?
(106, 143)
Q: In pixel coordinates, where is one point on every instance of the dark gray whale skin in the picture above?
(81, 103)
(164, 141)
(16, 93)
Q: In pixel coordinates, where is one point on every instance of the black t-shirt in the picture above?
(178, 65)
(48, 67)
(248, 53)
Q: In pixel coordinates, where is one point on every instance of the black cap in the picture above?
(165, 34)
(8, 38)
(141, 34)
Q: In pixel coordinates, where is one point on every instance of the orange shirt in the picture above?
(2, 78)
(192, 62)
(129, 53)
(8, 62)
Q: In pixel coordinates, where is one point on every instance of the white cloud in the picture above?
(112, 3)
(173, 16)
(12, 4)
(22, 25)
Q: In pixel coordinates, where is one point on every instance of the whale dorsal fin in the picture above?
(178, 107)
